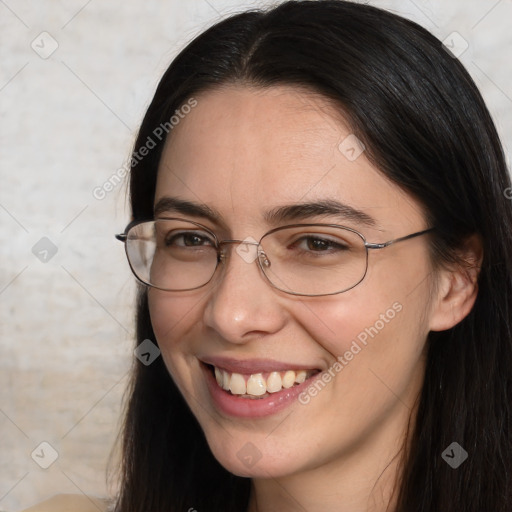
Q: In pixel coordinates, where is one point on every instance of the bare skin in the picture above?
(243, 151)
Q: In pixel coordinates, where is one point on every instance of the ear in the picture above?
(457, 287)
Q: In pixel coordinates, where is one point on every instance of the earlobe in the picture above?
(458, 286)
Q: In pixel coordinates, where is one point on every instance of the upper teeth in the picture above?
(256, 384)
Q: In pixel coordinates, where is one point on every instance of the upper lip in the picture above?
(250, 366)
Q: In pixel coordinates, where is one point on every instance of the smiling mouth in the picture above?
(259, 385)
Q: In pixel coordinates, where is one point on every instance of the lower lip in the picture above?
(234, 405)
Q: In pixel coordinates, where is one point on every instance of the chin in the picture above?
(258, 458)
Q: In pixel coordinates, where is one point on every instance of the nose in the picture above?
(243, 304)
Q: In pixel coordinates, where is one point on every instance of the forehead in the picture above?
(244, 150)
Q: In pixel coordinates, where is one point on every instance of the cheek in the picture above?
(336, 323)
(375, 346)
(371, 333)
(172, 317)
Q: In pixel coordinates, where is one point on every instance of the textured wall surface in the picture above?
(75, 78)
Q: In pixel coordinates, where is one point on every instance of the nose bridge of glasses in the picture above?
(246, 253)
(248, 241)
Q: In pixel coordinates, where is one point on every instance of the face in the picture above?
(243, 152)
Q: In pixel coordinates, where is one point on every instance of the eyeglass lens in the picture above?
(177, 255)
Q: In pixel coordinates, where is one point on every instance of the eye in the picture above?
(188, 239)
(317, 243)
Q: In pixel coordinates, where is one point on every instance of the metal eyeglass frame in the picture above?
(221, 256)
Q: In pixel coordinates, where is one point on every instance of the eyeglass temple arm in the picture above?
(396, 240)
(121, 237)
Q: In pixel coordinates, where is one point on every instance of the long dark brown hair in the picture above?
(425, 126)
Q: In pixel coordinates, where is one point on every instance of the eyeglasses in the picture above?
(174, 254)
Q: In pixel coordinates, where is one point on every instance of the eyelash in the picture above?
(172, 237)
(332, 245)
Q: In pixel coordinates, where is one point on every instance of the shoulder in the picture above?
(70, 503)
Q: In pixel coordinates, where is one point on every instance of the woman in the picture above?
(321, 227)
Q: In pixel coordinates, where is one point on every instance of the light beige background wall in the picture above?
(67, 121)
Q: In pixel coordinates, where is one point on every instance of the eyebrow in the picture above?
(173, 204)
(280, 214)
(303, 211)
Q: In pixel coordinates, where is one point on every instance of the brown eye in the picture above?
(188, 239)
(319, 244)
